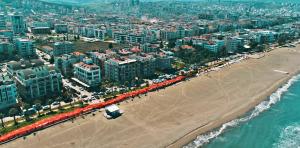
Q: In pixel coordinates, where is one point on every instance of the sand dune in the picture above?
(176, 115)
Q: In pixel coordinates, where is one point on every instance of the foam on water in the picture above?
(289, 137)
(263, 106)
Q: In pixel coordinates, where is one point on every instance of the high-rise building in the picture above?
(18, 24)
(25, 48)
(8, 91)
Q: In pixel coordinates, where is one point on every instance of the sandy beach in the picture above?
(176, 115)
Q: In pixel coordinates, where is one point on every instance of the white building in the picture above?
(100, 34)
(88, 73)
(39, 82)
(8, 91)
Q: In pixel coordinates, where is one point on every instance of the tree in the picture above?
(253, 44)
(1, 117)
(13, 112)
(38, 107)
(59, 99)
(81, 104)
(171, 43)
(161, 44)
(51, 60)
(110, 46)
(282, 40)
(222, 52)
(127, 84)
(49, 102)
(26, 106)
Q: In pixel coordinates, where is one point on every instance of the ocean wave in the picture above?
(263, 106)
(289, 137)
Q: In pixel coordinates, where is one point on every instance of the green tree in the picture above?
(81, 104)
(26, 106)
(110, 46)
(59, 99)
(253, 44)
(51, 60)
(49, 102)
(161, 44)
(38, 107)
(222, 52)
(2, 122)
(171, 43)
(13, 112)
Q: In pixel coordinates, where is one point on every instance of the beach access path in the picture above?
(174, 116)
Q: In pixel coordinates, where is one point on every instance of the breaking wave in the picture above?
(263, 106)
(289, 137)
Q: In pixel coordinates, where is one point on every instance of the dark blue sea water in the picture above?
(274, 123)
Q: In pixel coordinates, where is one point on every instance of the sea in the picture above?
(274, 123)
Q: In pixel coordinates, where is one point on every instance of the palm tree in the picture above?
(1, 117)
(13, 112)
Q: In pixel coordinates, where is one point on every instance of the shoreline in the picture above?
(176, 115)
(212, 126)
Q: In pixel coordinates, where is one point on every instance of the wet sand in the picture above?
(176, 115)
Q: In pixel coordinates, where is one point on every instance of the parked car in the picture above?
(30, 111)
(46, 107)
(55, 103)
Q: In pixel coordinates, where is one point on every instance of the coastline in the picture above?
(211, 126)
(178, 113)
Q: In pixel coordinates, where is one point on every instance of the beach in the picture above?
(174, 116)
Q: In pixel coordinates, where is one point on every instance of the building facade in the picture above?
(121, 70)
(60, 48)
(25, 48)
(38, 82)
(88, 73)
(8, 91)
(18, 24)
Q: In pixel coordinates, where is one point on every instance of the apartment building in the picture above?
(65, 63)
(146, 65)
(60, 48)
(13, 66)
(25, 48)
(87, 72)
(121, 69)
(38, 82)
(6, 48)
(8, 91)
(18, 24)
